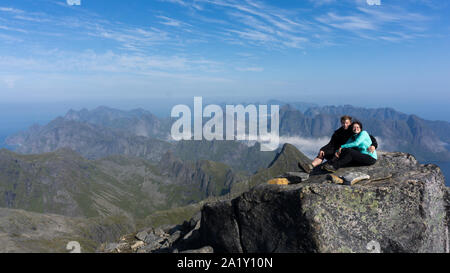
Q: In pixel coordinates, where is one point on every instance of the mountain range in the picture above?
(106, 131)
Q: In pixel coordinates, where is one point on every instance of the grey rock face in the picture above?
(402, 207)
(447, 205)
(225, 237)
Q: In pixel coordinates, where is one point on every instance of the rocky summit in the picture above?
(399, 206)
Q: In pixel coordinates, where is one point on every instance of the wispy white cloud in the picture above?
(11, 10)
(172, 22)
(9, 39)
(250, 69)
(88, 62)
(32, 18)
(13, 29)
(248, 23)
(135, 39)
(350, 22)
(9, 81)
(392, 24)
(256, 23)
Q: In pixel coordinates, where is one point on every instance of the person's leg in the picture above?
(352, 156)
(335, 163)
(317, 161)
(361, 159)
(328, 155)
(345, 158)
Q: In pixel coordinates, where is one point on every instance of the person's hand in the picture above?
(321, 154)
(338, 153)
(371, 149)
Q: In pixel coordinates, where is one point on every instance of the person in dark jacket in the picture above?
(339, 138)
(355, 151)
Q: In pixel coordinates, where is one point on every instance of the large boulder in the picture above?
(401, 208)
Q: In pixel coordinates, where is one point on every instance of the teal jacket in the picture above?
(361, 141)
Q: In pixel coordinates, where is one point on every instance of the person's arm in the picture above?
(373, 146)
(374, 142)
(357, 142)
(331, 143)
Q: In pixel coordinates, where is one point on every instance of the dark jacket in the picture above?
(340, 137)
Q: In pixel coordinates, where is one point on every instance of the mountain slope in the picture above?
(91, 141)
(60, 182)
(30, 232)
(137, 122)
(65, 183)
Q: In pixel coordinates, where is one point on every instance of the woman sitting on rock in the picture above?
(354, 152)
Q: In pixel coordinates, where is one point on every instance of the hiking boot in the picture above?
(335, 179)
(328, 167)
(307, 167)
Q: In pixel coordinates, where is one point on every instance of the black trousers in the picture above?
(352, 157)
(329, 153)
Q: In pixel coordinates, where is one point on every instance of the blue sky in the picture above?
(325, 51)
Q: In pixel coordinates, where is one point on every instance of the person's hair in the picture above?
(359, 123)
(344, 118)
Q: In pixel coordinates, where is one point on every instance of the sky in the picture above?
(329, 52)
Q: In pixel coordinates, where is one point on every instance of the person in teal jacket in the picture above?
(354, 152)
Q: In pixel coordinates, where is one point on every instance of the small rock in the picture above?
(110, 247)
(175, 229)
(152, 246)
(141, 235)
(352, 178)
(159, 232)
(175, 236)
(278, 181)
(195, 219)
(121, 247)
(168, 229)
(150, 238)
(296, 177)
(137, 245)
(335, 179)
